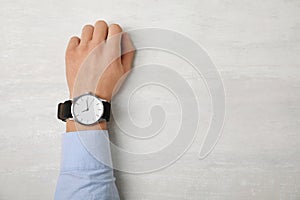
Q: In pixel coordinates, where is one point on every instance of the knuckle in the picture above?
(88, 27)
(74, 38)
(115, 27)
(101, 23)
(70, 52)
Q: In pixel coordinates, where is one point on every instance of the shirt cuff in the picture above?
(85, 150)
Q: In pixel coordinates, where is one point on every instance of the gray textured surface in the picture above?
(255, 45)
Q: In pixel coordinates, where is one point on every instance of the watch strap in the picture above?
(64, 110)
(106, 112)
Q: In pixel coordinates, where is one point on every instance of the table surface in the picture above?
(255, 46)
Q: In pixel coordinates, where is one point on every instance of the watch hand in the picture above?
(87, 105)
(90, 103)
(85, 110)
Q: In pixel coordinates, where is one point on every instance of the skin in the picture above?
(77, 51)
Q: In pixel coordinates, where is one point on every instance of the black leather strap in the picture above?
(106, 112)
(64, 110)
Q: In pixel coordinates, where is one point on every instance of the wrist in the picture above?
(101, 95)
(72, 126)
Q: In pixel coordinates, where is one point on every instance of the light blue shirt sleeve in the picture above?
(86, 171)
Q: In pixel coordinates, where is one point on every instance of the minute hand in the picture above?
(90, 103)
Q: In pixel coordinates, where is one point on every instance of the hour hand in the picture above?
(85, 110)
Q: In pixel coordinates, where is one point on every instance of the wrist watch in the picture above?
(86, 109)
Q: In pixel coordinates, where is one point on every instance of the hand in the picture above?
(96, 62)
(84, 71)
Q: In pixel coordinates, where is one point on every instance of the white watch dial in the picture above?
(87, 109)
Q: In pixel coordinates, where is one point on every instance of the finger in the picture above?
(100, 31)
(128, 52)
(113, 30)
(74, 42)
(114, 40)
(86, 34)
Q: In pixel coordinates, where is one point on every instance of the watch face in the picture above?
(87, 109)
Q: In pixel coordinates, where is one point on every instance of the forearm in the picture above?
(86, 167)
